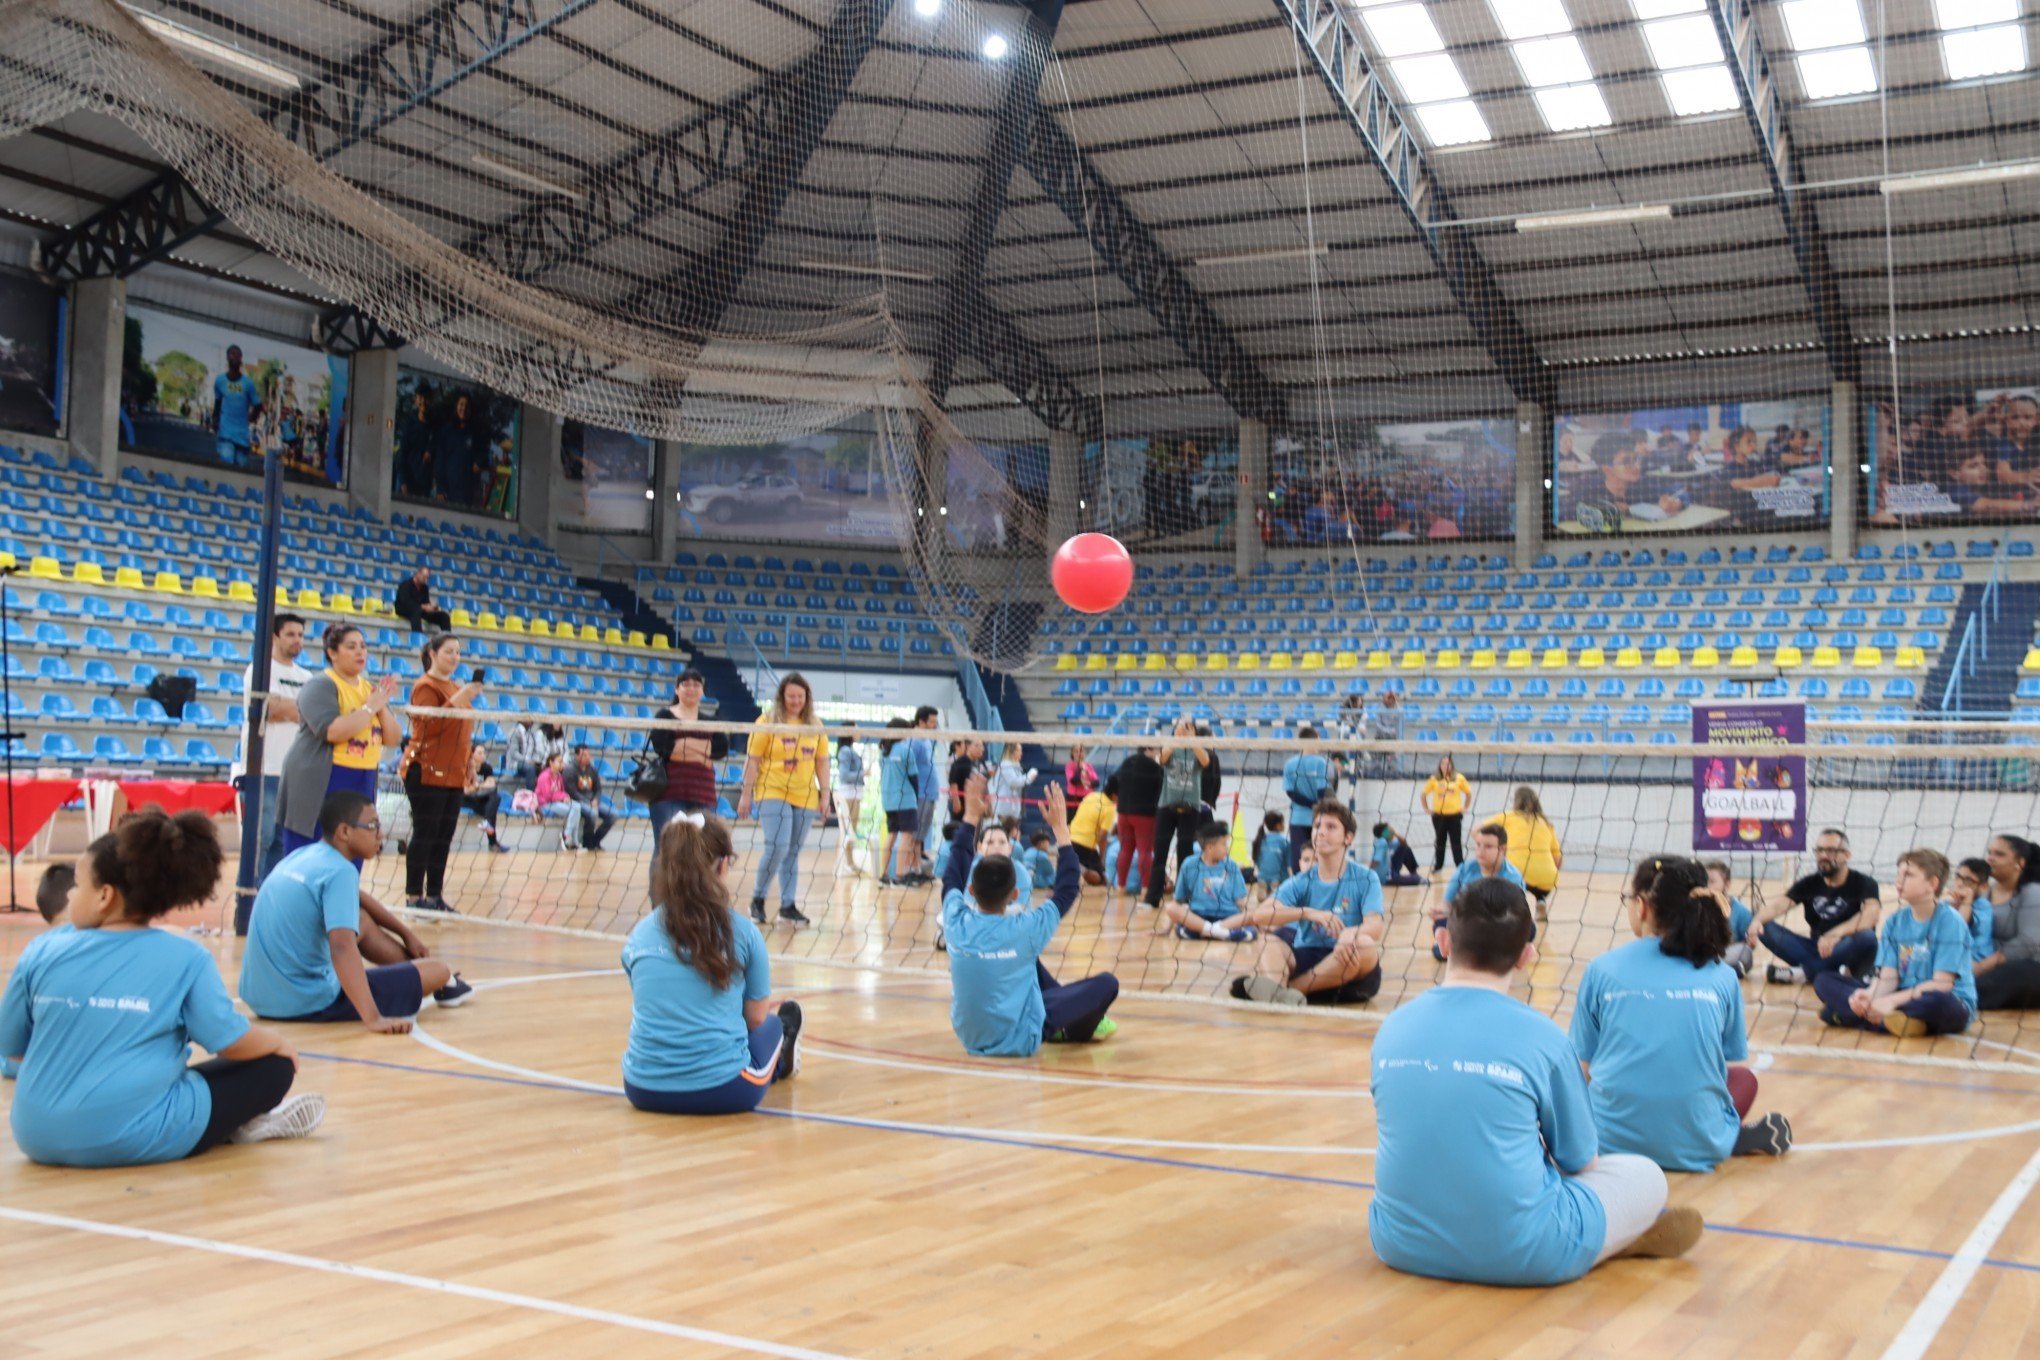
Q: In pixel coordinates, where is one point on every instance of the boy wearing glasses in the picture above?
(303, 958)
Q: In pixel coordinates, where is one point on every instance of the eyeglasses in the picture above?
(376, 827)
(1630, 899)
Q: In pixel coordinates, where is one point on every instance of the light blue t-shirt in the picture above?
(287, 964)
(896, 782)
(237, 400)
(1355, 893)
(995, 1003)
(103, 1021)
(1273, 862)
(1212, 891)
(1480, 1105)
(1919, 949)
(1468, 873)
(1023, 877)
(1307, 776)
(1981, 918)
(684, 1034)
(1661, 1034)
(1740, 918)
(1038, 865)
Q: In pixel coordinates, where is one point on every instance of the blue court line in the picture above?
(1773, 1234)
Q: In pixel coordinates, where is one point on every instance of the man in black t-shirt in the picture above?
(1842, 909)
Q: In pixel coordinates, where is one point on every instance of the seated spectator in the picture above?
(414, 604)
(1925, 983)
(587, 806)
(1841, 907)
(2008, 979)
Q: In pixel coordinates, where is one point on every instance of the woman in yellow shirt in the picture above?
(1446, 794)
(788, 774)
(344, 721)
(1533, 846)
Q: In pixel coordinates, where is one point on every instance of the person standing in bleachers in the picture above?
(414, 604)
(1080, 776)
(279, 717)
(787, 773)
(435, 771)
(344, 721)
(690, 755)
(414, 447)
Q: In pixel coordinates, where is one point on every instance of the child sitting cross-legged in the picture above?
(1925, 981)
(1326, 945)
(1209, 889)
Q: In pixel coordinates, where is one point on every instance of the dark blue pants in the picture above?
(1942, 1012)
(739, 1095)
(1074, 1010)
(1299, 837)
(1856, 952)
(1401, 866)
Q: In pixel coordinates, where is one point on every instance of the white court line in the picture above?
(426, 1283)
(1923, 1139)
(486, 984)
(824, 1048)
(1918, 1334)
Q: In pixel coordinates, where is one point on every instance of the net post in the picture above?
(246, 878)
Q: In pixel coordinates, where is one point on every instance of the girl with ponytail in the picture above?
(704, 1037)
(1659, 1020)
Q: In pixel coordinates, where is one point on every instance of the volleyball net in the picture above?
(1610, 803)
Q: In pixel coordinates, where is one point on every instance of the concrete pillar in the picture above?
(1846, 484)
(1066, 516)
(1248, 551)
(98, 321)
(666, 522)
(1533, 477)
(372, 428)
(539, 483)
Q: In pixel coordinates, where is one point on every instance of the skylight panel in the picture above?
(1704, 89)
(1659, 9)
(1530, 18)
(1975, 52)
(1689, 40)
(1403, 30)
(1814, 24)
(1428, 79)
(1553, 61)
(1839, 71)
(1453, 124)
(1975, 13)
(1569, 108)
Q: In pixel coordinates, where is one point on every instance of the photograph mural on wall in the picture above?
(1174, 491)
(1955, 456)
(457, 445)
(828, 487)
(32, 366)
(208, 393)
(1401, 483)
(1747, 466)
(990, 485)
(608, 474)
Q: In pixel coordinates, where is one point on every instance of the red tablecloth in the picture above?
(35, 801)
(175, 795)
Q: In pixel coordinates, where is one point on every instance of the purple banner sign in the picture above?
(1751, 796)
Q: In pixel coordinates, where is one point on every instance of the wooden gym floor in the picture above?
(1198, 1185)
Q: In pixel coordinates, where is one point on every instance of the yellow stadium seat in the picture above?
(488, 621)
(130, 578)
(1911, 658)
(206, 587)
(1379, 661)
(1744, 655)
(1788, 657)
(1554, 659)
(461, 618)
(636, 639)
(1867, 658)
(1346, 661)
(1826, 655)
(1518, 659)
(341, 604)
(1281, 661)
(1184, 661)
(1592, 659)
(1665, 659)
(1125, 661)
(661, 643)
(1249, 661)
(1706, 655)
(1628, 658)
(1412, 661)
(515, 624)
(92, 574)
(2032, 662)
(1448, 660)
(1312, 661)
(240, 592)
(540, 628)
(1155, 662)
(45, 569)
(7, 559)
(1066, 662)
(1217, 661)
(170, 583)
(309, 599)
(1484, 659)
(282, 598)
(589, 632)
(613, 636)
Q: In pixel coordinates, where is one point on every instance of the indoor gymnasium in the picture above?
(883, 678)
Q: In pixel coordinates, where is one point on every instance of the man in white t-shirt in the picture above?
(280, 727)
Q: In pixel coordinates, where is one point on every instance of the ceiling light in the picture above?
(996, 47)
(1829, 75)
(217, 53)
(1659, 9)
(877, 271)
(1961, 179)
(927, 9)
(1595, 217)
(530, 179)
(1403, 30)
(1972, 13)
(1569, 108)
(1814, 24)
(1686, 41)
(1428, 79)
(1260, 256)
(1984, 51)
(1530, 18)
(1704, 89)
(1553, 61)
(1453, 124)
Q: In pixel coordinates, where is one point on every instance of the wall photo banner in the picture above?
(457, 445)
(822, 488)
(1739, 467)
(33, 370)
(608, 474)
(1967, 455)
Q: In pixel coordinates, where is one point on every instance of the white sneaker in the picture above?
(295, 1118)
